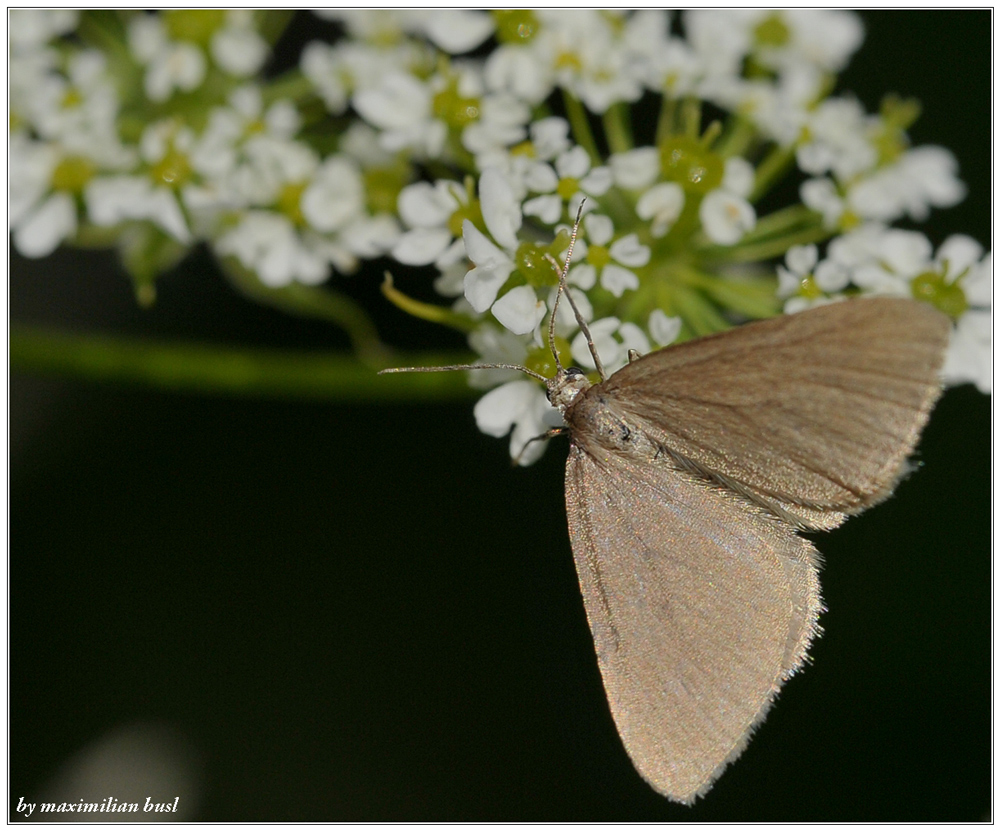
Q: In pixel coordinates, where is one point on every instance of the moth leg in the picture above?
(548, 434)
(633, 356)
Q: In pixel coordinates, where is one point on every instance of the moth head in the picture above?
(563, 388)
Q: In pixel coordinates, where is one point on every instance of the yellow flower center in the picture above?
(72, 174)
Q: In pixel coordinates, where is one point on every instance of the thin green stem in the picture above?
(580, 124)
(691, 116)
(770, 170)
(764, 250)
(737, 137)
(227, 370)
(665, 122)
(308, 301)
(617, 128)
(782, 221)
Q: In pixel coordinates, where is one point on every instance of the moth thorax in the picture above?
(565, 386)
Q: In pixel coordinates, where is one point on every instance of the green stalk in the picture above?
(580, 125)
(617, 128)
(308, 301)
(186, 367)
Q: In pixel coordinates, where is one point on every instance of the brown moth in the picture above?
(690, 471)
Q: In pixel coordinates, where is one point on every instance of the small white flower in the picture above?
(725, 213)
(170, 65)
(960, 258)
(726, 217)
(427, 209)
(800, 260)
(267, 244)
(588, 57)
(661, 205)
(618, 257)
(520, 405)
(30, 29)
(501, 124)
(572, 180)
(335, 196)
(115, 199)
(821, 196)
(838, 131)
(549, 137)
(636, 169)
(457, 31)
(236, 47)
(920, 179)
(970, 354)
(613, 352)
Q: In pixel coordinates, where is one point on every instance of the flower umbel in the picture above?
(464, 142)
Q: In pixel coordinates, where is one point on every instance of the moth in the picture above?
(691, 471)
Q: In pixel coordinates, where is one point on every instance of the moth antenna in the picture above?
(562, 289)
(452, 367)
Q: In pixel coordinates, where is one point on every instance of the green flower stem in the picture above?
(736, 139)
(753, 297)
(666, 119)
(691, 116)
(425, 311)
(770, 170)
(226, 370)
(308, 301)
(765, 250)
(793, 218)
(580, 125)
(617, 129)
(697, 314)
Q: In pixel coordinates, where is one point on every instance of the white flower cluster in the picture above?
(244, 180)
(432, 137)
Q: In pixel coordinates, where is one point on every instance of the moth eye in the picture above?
(574, 370)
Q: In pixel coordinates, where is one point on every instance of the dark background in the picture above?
(363, 613)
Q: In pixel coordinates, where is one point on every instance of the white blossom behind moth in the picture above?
(690, 472)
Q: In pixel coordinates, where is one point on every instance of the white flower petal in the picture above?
(598, 181)
(629, 251)
(738, 176)
(501, 211)
(40, 233)
(498, 410)
(238, 50)
(664, 330)
(960, 252)
(662, 204)
(636, 169)
(458, 31)
(600, 229)
(602, 331)
(573, 163)
(583, 275)
(519, 310)
(802, 259)
(421, 246)
(617, 280)
(547, 208)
